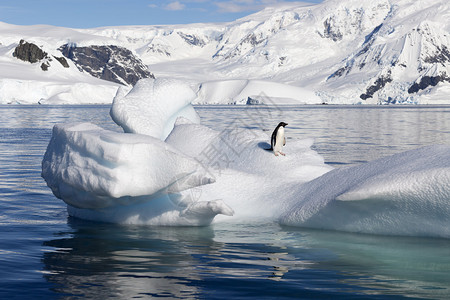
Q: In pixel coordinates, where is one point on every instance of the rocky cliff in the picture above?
(32, 53)
(112, 63)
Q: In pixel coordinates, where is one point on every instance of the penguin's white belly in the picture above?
(279, 141)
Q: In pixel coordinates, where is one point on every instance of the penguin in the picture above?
(278, 139)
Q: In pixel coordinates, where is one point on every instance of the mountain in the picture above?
(52, 65)
(339, 51)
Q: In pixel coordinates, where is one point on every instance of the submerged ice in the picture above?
(167, 169)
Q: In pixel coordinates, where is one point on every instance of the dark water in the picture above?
(46, 255)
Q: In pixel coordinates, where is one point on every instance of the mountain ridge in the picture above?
(346, 52)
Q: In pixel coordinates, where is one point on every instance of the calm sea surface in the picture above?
(46, 255)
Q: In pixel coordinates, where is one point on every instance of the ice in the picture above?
(253, 92)
(152, 107)
(90, 167)
(248, 178)
(99, 172)
(198, 175)
(15, 91)
(404, 194)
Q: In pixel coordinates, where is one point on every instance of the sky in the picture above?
(98, 13)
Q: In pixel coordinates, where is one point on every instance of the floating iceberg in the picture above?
(93, 168)
(130, 177)
(99, 172)
(404, 194)
(197, 175)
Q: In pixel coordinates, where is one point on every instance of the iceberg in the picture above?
(130, 178)
(89, 167)
(250, 179)
(168, 169)
(404, 194)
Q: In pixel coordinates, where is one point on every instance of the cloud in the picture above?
(176, 5)
(238, 6)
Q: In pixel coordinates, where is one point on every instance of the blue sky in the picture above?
(96, 13)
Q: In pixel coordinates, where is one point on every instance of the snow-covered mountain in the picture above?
(339, 51)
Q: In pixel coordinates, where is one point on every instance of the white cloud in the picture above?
(177, 5)
(237, 6)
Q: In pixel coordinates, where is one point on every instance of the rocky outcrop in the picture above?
(29, 52)
(192, 40)
(331, 31)
(379, 83)
(112, 63)
(427, 81)
(62, 61)
(32, 53)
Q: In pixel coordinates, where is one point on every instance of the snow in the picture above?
(404, 194)
(259, 92)
(14, 91)
(198, 175)
(104, 173)
(152, 107)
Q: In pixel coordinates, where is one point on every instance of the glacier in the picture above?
(197, 176)
(335, 52)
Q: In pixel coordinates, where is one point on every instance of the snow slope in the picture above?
(343, 51)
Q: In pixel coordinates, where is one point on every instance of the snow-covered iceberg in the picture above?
(197, 174)
(250, 179)
(102, 174)
(404, 194)
(93, 168)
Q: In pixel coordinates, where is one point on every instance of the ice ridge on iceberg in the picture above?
(152, 106)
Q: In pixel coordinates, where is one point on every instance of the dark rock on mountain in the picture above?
(331, 31)
(112, 63)
(45, 66)
(32, 53)
(427, 81)
(62, 61)
(192, 39)
(376, 86)
(29, 52)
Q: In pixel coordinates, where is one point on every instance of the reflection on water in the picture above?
(101, 260)
(45, 255)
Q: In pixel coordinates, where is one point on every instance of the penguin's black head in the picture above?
(282, 124)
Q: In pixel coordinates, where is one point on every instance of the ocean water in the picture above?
(44, 254)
